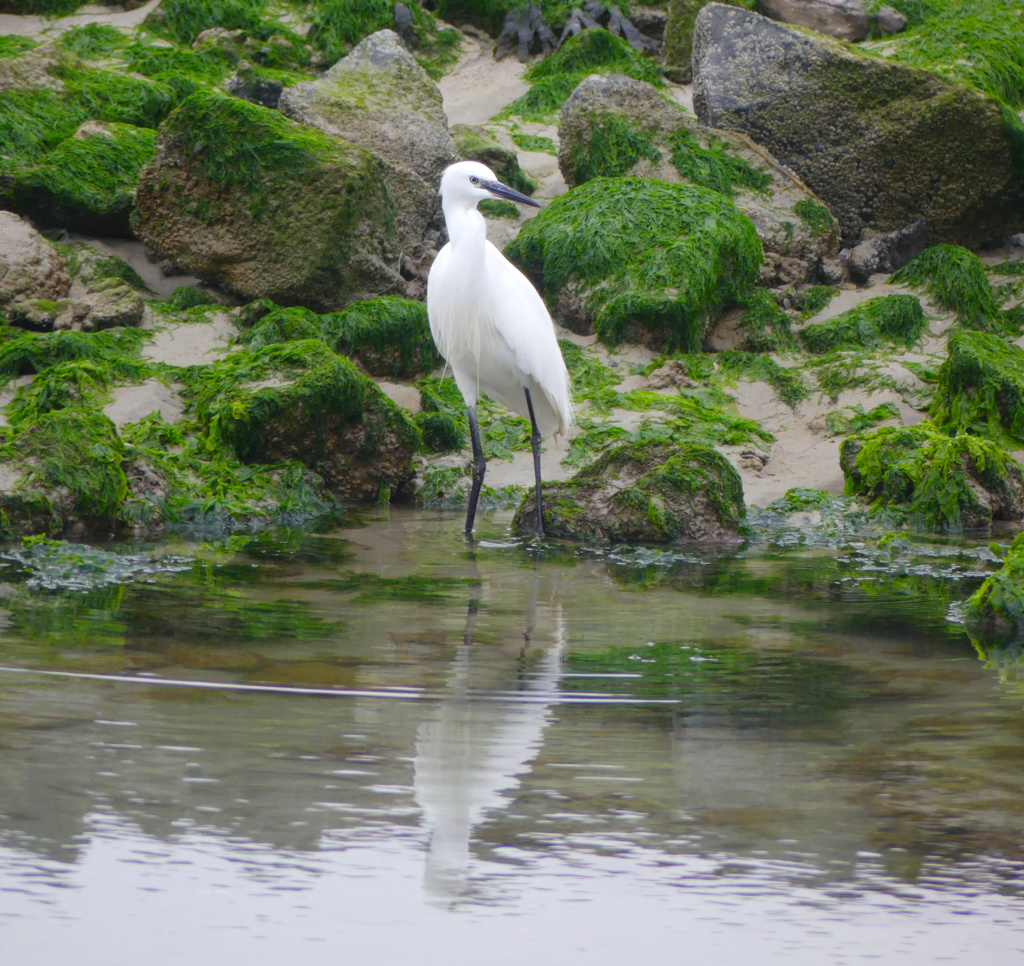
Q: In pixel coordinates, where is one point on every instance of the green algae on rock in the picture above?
(894, 319)
(934, 481)
(67, 466)
(614, 125)
(87, 183)
(473, 143)
(300, 401)
(639, 260)
(995, 611)
(981, 387)
(956, 279)
(643, 493)
(265, 207)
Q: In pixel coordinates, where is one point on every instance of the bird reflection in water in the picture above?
(473, 750)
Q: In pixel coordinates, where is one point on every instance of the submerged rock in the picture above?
(640, 260)
(614, 125)
(643, 493)
(882, 144)
(995, 612)
(939, 482)
(262, 206)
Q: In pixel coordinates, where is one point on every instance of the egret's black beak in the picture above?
(500, 190)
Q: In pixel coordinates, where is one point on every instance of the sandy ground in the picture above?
(473, 92)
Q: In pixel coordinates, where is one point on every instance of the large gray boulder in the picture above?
(379, 98)
(30, 267)
(250, 201)
(613, 125)
(882, 144)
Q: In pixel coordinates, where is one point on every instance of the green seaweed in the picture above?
(815, 215)
(116, 351)
(981, 387)
(893, 319)
(534, 142)
(656, 261)
(956, 279)
(789, 384)
(87, 183)
(765, 324)
(11, 45)
(812, 300)
(995, 611)
(491, 208)
(713, 166)
(930, 477)
(613, 147)
(93, 40)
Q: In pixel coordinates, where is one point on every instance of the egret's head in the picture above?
(469, 182)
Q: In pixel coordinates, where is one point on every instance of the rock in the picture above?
(110, 302)
(885, 320)
(639, 260)
(779, 271)
(614, 125)
(980, 386)
(30, 267)
(831, 271)
(643, 493)
(473, 143)
(939, 482)
(887, 252)
(995, 612)
(678, 46)
(882, 144)
(61, 471)
(890, 21)
(37, 315)
(87, 183)
(250, 86)
(38, 68)
(845, 19)
(301, 401)
(261, 206)
(379, 98)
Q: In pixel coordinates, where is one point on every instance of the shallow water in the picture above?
(379, 741)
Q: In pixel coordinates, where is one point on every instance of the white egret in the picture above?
(490, 324)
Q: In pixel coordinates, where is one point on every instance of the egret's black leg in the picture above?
(535, 446)
(479, 468)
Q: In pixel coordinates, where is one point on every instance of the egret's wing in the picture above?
(522, 320)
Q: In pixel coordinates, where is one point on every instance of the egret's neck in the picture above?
(467, 230)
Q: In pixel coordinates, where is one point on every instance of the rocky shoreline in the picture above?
(807, 260)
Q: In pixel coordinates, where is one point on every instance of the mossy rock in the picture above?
(390, 336)
(643, 493)
(87, 183)
(981, 386)
(62, 470)
(615, 126)
(55, 93)
(301, 401)
(881, 143)
(380, 99)
(888, 319)
(265, 207)
(639, 260)
(936, 482)
(956, 279)
(473, 143)
(995, 611)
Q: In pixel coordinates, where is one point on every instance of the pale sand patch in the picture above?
(192, 343)
(479, 86)
(129, 404)
(43, 28)
(402, 394)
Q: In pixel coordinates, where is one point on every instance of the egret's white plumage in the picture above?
(490, 324)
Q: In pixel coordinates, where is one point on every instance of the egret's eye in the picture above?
(474, 180)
